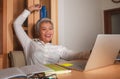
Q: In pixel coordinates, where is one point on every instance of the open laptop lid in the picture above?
(104, 52)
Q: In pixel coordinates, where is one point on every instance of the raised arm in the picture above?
(22, 36)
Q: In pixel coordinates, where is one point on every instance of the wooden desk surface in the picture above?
(109, 72)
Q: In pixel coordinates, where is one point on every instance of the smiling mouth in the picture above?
(48, 36)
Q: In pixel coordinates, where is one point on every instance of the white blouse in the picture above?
(37, 52)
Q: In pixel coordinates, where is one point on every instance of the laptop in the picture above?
(104, 53)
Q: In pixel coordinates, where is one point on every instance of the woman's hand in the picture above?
(36, 7)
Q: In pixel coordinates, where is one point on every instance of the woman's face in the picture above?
(46, 32)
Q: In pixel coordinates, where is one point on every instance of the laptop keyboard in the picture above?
(82, 65)
(79, 65)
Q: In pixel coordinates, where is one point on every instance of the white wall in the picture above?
(108, 4)
(79, 23)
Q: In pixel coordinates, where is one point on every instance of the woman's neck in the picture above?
(44, 42)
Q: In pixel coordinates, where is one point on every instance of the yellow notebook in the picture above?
(57, 69)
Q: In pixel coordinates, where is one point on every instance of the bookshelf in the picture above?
(1, 32)
(1, 23)
(11, 9)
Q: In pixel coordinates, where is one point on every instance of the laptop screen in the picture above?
(104, 52)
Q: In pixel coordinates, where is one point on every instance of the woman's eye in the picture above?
(43, 29)
(51, 29)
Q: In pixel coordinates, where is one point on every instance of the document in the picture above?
(57, 69)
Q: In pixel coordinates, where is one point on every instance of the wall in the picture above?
(108, 4)
(79, 23)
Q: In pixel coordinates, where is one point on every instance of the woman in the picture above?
(41, 51)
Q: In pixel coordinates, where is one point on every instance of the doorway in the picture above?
(112, 21)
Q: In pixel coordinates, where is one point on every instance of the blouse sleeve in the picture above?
(22, 36)
(67, 54)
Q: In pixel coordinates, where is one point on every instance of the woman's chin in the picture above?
(48, 40)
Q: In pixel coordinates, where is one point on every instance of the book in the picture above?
(11, 73)
(25, 71)
(43, 12)
(57, 69)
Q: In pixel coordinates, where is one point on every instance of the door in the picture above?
(112, 21)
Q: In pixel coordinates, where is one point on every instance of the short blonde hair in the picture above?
(39, 22)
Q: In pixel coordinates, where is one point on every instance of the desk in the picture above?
(109, 72)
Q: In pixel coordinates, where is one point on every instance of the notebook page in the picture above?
(32, 69)
(11, 72)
